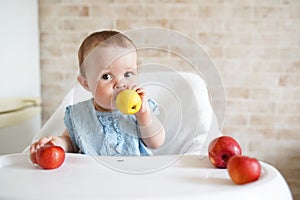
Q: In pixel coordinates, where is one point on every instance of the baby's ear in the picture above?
(83, 82)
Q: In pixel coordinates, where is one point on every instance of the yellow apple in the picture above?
(128, 102)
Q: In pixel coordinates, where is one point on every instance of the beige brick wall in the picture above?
(255, 45)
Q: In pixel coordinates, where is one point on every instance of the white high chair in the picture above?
(185, 111)
(190, 125)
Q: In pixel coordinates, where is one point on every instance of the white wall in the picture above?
(19, 48)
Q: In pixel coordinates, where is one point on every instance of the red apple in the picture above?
(221, 149)
(50, 157)
(243, 169)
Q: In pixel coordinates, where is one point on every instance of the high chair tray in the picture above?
(157, 177)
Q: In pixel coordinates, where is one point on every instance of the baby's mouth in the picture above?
(116, 95)
(114, 99)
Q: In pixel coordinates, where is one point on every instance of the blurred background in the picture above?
(254, 44)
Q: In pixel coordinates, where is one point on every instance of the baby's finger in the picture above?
(141, 92)
(33, 158)
(45, 140)
(52, 141)
(33, 149)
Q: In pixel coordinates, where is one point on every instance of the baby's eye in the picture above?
(128, 74)
(106, 77)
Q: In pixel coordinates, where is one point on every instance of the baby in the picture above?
(108, 65)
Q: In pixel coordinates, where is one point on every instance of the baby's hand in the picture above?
(50, 140)
(145, 105)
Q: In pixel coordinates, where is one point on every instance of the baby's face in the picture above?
(112, 71)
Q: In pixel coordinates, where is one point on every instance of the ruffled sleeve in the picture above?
(153, 106)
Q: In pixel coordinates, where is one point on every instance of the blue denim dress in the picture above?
(105, 133)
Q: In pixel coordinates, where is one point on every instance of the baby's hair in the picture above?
(107, 38)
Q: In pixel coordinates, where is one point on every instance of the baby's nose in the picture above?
(120, 85)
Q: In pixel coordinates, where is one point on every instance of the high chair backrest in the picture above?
(185, 111)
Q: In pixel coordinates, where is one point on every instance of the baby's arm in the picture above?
(64, 141)
(152, 130)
